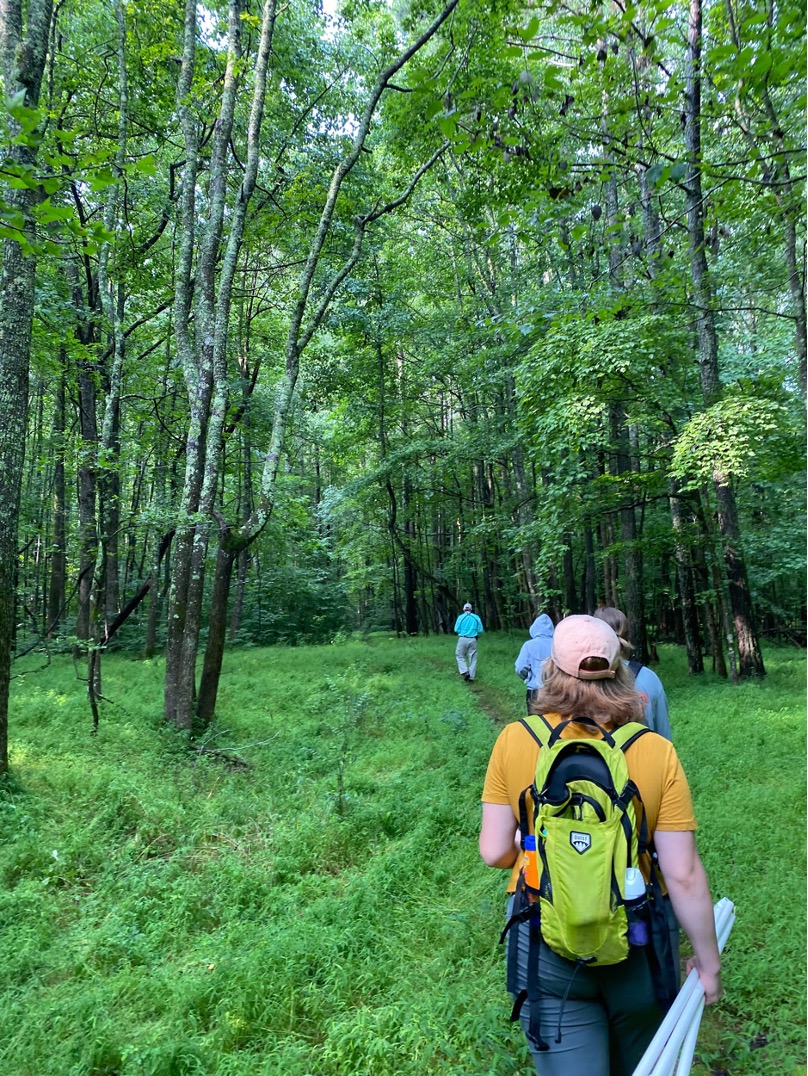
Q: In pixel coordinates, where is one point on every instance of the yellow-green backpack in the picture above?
(586, 836)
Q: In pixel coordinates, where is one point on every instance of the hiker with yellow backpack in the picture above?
(592, 813)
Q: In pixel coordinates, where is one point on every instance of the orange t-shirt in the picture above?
(653, 766)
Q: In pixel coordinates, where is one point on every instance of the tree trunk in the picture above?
(410, 571)
(109, 525)
(88, 537)
(217, 630)
(749, 656)
(590, 580)
(185, 624)
(570, 590)
(57, 587)
(205, 361)
(24, 35)
(710, 580)
(684, 578)
(631, 575)
(246, 509)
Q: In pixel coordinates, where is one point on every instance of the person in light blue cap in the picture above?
(646, 681)
(531, 656)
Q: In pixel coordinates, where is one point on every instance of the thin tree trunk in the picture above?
(217, 630)
(590, 581)
(58, 566)
(246, 509)
(631, 553)
(684, 578)
(710, 578)
(570, 590)
(749, 656)
(88, 537)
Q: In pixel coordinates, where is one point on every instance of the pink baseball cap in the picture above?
(577, 638)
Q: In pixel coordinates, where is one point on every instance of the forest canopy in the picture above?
(319, 321)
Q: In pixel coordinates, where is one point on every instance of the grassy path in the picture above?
(323, 911)
(491, 703)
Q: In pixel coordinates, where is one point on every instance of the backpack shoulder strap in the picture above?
(635, 666)
(539, 728)
(627, 734)
(624, 737)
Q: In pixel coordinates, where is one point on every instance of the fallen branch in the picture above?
(227, 757)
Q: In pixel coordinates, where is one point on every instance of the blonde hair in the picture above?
(618, 622)
(611, 702)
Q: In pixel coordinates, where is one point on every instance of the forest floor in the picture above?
(322, 910)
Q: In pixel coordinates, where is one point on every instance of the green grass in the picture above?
(324, 911)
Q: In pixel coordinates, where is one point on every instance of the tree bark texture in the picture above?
(750, 659)
(57, 586)
(24, 35)
(205, 360)
(685, 584)
(631, 559)
(217, 631)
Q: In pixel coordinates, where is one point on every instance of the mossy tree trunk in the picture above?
(24, 35)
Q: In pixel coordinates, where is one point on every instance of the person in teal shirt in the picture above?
(467, 626)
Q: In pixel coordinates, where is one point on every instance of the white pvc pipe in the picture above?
(684, 1016)
(684, 1036)
(686, 1026)
(689, 1045)
(667, 1027)
(670, 1051)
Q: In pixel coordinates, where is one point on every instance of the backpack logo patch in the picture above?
(581, 842)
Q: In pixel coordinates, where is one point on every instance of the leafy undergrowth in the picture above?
(323, 911)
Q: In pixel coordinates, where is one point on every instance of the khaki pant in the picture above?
(466, 654)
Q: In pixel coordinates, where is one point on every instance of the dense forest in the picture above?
(315, 321)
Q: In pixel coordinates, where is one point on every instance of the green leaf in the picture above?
(23, 180)
(147, 165)
(552, 79)
(530, 31)
(721, 52)
(46, 212)
(104, 177)
(433, 108)
(658, 173)
(448, 126)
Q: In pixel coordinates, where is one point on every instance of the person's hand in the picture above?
(710, 980)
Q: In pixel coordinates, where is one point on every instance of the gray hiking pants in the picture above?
(605, 1017)
(466, 654)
